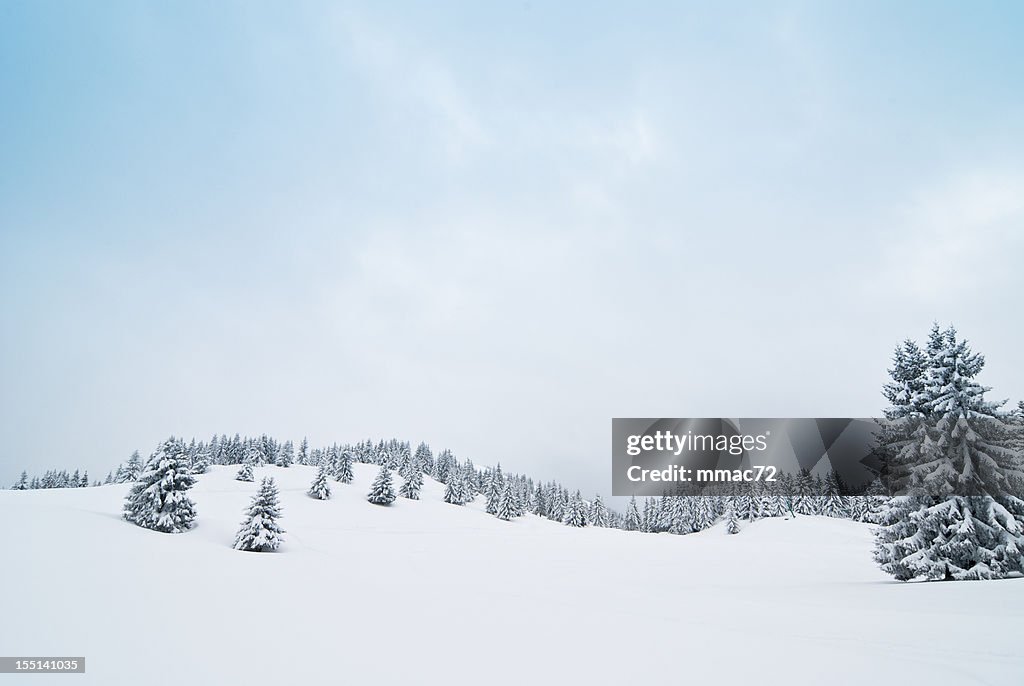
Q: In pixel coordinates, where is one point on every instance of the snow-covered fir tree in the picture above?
(412, 481)
(805, 496)
(904, 390)
(200, 461)
(632, 521)
(598, 512)
(455, 491)
(260, 531)
(646, 521)
(958, 514)
(245, 473)
(732, 526)
(443, 466)
(343, 466)
(159, 498)
(22, 483)
(130, 470)
(494, 490)
(506, 506)
(286, 455)
(424, 458)
(835, 503)
(382, 492)
(576, 514)
(679, 518)
(319, 489)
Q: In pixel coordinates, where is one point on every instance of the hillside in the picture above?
(425, 592)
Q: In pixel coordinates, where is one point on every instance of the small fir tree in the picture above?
(245, 473)
(319, 489)
(632, 521)
(286, 455)
(382, 492)
(598, 512)
(260, 531)
(731, 525)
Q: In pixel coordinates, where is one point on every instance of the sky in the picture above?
(492, 226)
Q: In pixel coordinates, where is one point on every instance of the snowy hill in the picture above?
(426, 592)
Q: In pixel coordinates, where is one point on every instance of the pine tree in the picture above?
(679, 518)
(200, 462)
(598, 512)
(731, 525)
(303, 457)
(835, 504)
(245, 473)
(540, 502)
(343, 467)
(424, 458)
(506, 506)
(382, 492)
(444, 465)
(454, 490)
(130, 471)
(319, 489)
(495, 488)
(159, 499)
(576, 515)
(958, 515)
(558, 504)
(701, 515)
(646, 519)
(907, 380)
(412, 482)
(22, 484)
(518, 502)
(632, 521)
(260, 531)
(804, 500)
(286, 455)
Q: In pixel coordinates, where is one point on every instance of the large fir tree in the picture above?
(958, 513)
(159, 499)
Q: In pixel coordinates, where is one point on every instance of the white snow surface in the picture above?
(422, 592)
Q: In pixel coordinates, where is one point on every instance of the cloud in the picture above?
(418, 82)
(959, 238)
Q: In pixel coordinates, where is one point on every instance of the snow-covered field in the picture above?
(429, 593)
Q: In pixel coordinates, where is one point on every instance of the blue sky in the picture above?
(492, 226)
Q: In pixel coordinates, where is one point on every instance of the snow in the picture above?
(426, 592)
